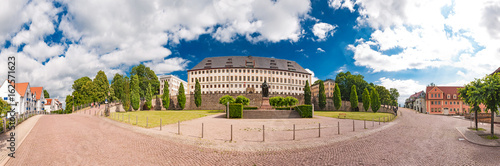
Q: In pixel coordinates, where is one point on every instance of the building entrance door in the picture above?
(446, 111)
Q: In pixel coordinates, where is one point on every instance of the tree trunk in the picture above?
(475, 118)
(492, 123)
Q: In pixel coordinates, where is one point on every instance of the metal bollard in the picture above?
(373, 122)
(263, 134)
(293, 131)
(178, 127)
(231, 133)
(319, 129)
(160, 124)
(201, 130)
(338, 124)
(379, 121)
(364, 121)
(353, 125)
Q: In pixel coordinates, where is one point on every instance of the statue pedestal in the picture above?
(265, 104)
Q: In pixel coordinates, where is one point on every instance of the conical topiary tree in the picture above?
(366, 99)
(197, 94)
(337, 100)
(181, 97)
(135, 96)
(375, 100)
(321, 95)
(354, 98)
(307, 94)
(149, 97)
(165, 98)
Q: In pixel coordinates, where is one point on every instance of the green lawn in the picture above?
(369, 116)
(167, 117)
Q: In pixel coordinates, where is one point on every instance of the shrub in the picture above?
(282, 108)
(165, 98)
(197, 94)
(242, 99)
(250, 108)
(181, 97)
(305, 111)
(235, 110)
(224, 99)
(277, 101)
(291, 101)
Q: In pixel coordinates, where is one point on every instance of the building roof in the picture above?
(49, 102)
(496, 71)
(38, 91)
(256, 62)
(21, 88)
(447, 90)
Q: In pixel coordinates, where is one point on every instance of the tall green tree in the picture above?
(145, 76)
(117, 85)
(375, 100)
(82, 90)
(491, 97)
(149, 97)
(242, 99)
(366, 99)
(337, 100)
(347, 80)
(101, 86)
(135, 96)
(321, 95)
(46, 94)
(125, 97)
(226, 98)
(197, 94)
(471, 95)
(181, 97)
(307, 94)
(165, 98)
(384, 94)
(394, 96)
(354, 98)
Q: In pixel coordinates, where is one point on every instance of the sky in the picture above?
(403, 44)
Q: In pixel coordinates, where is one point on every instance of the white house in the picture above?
(39, 98)
(23, 99)
(48, 105)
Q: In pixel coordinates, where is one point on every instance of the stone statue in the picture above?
(265, 90)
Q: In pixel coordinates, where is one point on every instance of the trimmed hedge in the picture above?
(282, 108)
(250, 108)
(235, 110)
(305, 111)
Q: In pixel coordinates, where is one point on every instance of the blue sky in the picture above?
(403, 44)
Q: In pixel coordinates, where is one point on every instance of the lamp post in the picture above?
(73, 103)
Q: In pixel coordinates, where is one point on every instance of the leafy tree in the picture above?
(181, 97)
(125, 97)
(307, 94)
(317, 82)
(112, 96)
(165, 98)
(337, 101)
(149, 98)
(135, 96)
(224, 99)
(291, 101)
(101, 86)
(491, 96)
(69, 104)
(82, 90)
(197, 94)
(4, 107)
(375, 100)
(366, 99)
(117, 84)
(471, 95)
(347, 80)
(354, 98)
(242, 99)
(384, 94)
(145, 76)
(394, 96)
(277, 101)
(321, 95)
(46, 94)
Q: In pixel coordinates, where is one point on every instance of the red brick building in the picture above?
(445, 100)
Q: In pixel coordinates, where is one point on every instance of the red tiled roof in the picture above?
(49, 102)
(38, 91)
(451, 90)
(21, 88)
(496, 71)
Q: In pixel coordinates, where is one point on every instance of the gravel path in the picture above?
(417, 139)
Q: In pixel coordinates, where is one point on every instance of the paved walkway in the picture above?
(21, 131)
(418, 139)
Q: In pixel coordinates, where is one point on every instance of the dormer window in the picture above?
(454, 96)
(448, 96)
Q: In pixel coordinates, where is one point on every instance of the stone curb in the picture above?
(472, 137)
(36, 118)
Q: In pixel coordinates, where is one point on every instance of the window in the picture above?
(448, 96)
(439, 95)
(5, 98)
(446, 103)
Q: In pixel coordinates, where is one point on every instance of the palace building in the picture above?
(245, 74)
(173, 84)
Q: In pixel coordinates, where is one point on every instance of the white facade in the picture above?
(173, 84)
(4, 94)
(24, 100)
(237, 80)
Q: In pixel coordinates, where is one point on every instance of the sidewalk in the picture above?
(22, 130)
(474, 137)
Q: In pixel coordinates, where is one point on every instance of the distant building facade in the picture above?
(329, 88)
(173, 84)
(245, 74)
(445, 100)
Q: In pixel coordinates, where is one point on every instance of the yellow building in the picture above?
(329, 88)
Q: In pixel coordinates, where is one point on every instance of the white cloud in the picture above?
(337, 4)
(323, 30)
(313, 78)
(168, 65)
(320, 50)
(417, 35)
(406, 88)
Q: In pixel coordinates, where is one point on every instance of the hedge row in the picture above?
(250, 108)
(305, 111)
(235, 110)
(282, 108)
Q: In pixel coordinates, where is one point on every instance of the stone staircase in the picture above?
(270, 114)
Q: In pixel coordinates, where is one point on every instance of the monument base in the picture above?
(265, 104)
